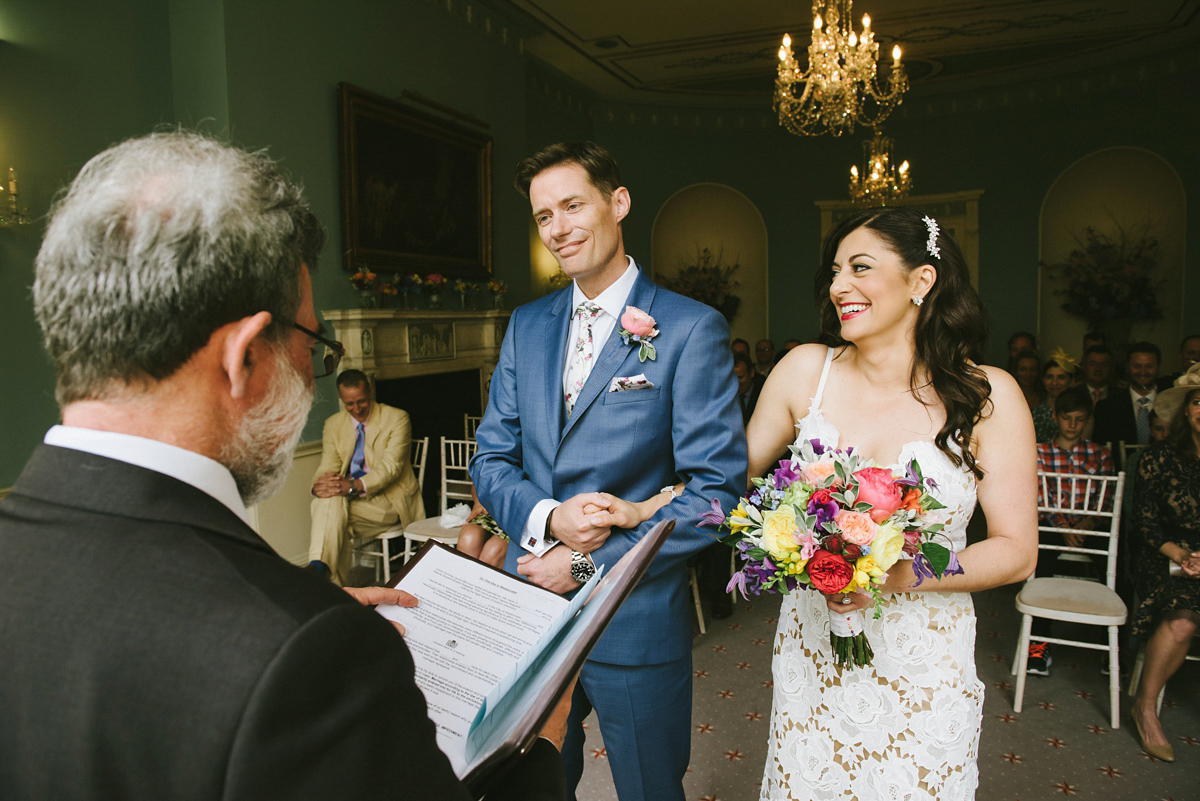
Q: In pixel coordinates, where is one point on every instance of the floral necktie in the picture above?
(581, 354)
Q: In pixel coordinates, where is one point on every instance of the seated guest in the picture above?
(764, 357)
(365, 481)
(1097, 369)
(1027, 371)
(1189, 354)
(173, 654)
(1068, 452)
(1058, 373)
(1019, 343)
(741, 346)
(482, 537)
(1167, 520)
(750, 384)
(1125, 416)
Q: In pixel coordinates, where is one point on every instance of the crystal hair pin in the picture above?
(931, 245)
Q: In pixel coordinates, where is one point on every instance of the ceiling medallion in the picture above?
(880, 182)
(840, 87)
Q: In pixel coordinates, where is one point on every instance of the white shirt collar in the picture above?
(187, 466)
(611, 300)
(1135, 396)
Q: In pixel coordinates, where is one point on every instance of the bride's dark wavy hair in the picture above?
(951, 324)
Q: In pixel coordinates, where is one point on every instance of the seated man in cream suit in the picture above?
(365, 481)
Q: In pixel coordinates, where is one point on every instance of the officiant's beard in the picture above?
(260, 454)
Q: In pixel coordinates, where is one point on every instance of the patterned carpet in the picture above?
(1060, 745)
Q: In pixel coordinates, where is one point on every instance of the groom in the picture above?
(573, 411)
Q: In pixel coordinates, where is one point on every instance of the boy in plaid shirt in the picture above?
(1068, 452)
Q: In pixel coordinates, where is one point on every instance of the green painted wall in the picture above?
(78, 76)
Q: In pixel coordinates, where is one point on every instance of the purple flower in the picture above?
(786, 474)
(738, 581)
(818, 448)
(921, 569)
(824, 512)
(714, 516)
(953, 568)
(911, 479)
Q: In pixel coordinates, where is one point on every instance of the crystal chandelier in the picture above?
(840, 87)
(880, 181)
(12, 214)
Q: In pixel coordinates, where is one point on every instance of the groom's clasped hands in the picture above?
(582, 523)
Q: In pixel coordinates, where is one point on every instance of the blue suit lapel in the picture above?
(557, 329)
(614, 353)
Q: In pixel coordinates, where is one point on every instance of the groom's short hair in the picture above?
(599, 164)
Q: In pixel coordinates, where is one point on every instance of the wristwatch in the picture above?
(582, 568)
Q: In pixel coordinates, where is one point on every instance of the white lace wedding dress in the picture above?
(907, 727)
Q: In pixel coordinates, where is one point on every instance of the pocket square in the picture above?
(622, 383)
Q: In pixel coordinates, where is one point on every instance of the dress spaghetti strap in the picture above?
(816, 400)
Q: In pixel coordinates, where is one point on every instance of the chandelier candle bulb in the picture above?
(866, 22)
(896, 56)
(12, 181)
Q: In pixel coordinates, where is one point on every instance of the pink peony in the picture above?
(638, 323)
(877, 487)
(856, 527)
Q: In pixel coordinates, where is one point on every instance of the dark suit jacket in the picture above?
(152, 646)
(1116, 418)
(748, 400)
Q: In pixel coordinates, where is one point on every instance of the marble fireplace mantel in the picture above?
(405, 343)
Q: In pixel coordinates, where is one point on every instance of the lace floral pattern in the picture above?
(906, 727)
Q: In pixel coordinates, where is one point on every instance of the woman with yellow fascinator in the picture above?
(1058, 373)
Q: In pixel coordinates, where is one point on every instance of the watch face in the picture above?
(582, 570)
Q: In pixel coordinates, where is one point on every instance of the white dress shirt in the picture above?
(612, 305)
(187, 466)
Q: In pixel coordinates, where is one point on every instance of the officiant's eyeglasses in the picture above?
(326, 364)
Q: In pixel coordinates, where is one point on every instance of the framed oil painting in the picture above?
(416, 190)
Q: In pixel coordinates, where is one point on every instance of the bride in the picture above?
(898, 383)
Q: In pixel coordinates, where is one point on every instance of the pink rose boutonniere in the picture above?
(637, 326)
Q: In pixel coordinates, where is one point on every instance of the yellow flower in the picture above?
(887, 546)
(739, 518)
(779, 526)
(865, 570)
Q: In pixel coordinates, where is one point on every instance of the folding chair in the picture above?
(1075, 600)
(383, 556)
(456, 486)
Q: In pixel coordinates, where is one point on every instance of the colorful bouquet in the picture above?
(833, 522)
(435, 282)
(496, 287)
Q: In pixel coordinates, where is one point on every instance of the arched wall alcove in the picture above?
(724, 220)
(1115, 188)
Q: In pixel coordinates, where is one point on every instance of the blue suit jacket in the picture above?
(630, 443)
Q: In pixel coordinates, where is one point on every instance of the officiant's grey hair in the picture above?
(157, 243)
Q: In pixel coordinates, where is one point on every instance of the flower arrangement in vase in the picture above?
(435, 283)
(708, 282)
(367, 284)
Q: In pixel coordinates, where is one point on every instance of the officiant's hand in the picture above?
(551, 570)
(372, 596)
(572, 525)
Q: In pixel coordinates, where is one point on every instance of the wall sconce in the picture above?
(11, 213)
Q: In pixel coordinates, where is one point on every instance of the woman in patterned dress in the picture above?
(1167, 527)
(899, 382)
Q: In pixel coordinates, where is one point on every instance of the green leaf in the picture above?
(757, 553)
(938, 556)
(862, 507)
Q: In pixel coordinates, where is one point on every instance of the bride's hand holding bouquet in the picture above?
(833, 522)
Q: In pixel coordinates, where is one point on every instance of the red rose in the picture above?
(821, 496)
(877, 487)
(829, 572)
(851, 551)
(833, 544)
